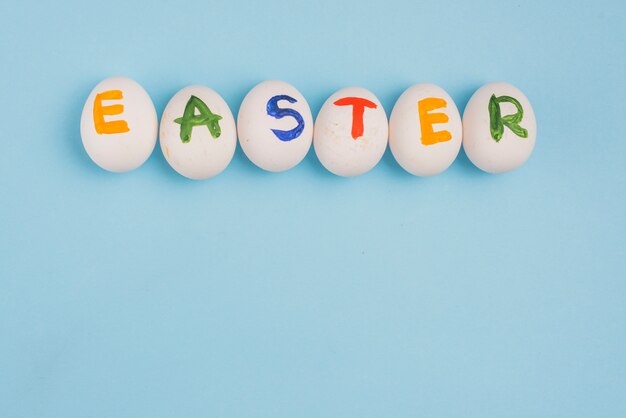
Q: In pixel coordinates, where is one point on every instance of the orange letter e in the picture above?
(99, 111)
(429, 136)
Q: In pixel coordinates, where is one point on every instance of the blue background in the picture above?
(302, 294)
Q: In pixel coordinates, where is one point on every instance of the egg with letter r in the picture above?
(499, 128)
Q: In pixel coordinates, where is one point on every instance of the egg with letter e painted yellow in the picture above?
(425, 130)
(119, 125)
(499, 128)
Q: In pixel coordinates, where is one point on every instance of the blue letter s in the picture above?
(278, 113)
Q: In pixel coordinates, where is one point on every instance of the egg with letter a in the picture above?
(351, 132)
(198, 134)
(425, 130)
(275, 126)
(119, 125)
(499, 128)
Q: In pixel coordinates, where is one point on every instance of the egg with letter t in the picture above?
(351, 132)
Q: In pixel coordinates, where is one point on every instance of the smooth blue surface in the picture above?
(301, 294)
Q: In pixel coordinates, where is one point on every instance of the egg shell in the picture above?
(511, 150)
(122, 133)
(200, 155)
(334, 136)
(430, 152)
(256, 126)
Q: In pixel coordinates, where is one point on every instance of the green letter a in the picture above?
(497, 121)
(191, 120)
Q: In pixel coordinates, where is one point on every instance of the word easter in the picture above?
(198, 133)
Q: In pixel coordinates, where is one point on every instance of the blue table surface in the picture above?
(302, 294)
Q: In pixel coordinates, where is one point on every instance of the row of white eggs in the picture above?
(198, 133)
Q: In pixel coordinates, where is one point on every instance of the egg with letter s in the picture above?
(351, 132)
(275, 126)
(119, 125)
(499, 128)
(198, 134)
(425, 130)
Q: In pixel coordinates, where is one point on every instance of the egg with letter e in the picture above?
(351, 132)
(499, 128)
(119, 125)
(275, 126)
(198, 134)
(425, 130)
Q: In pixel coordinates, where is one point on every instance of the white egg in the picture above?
(425, 130)
(351, 132)
(119, 125)
(198, 134)
(499, 128)
(275, 126)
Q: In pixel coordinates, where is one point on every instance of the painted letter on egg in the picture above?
(279, 113)
(100, 111)
(189, 120)
(497, 122)
(427, 120)
(358, 109)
